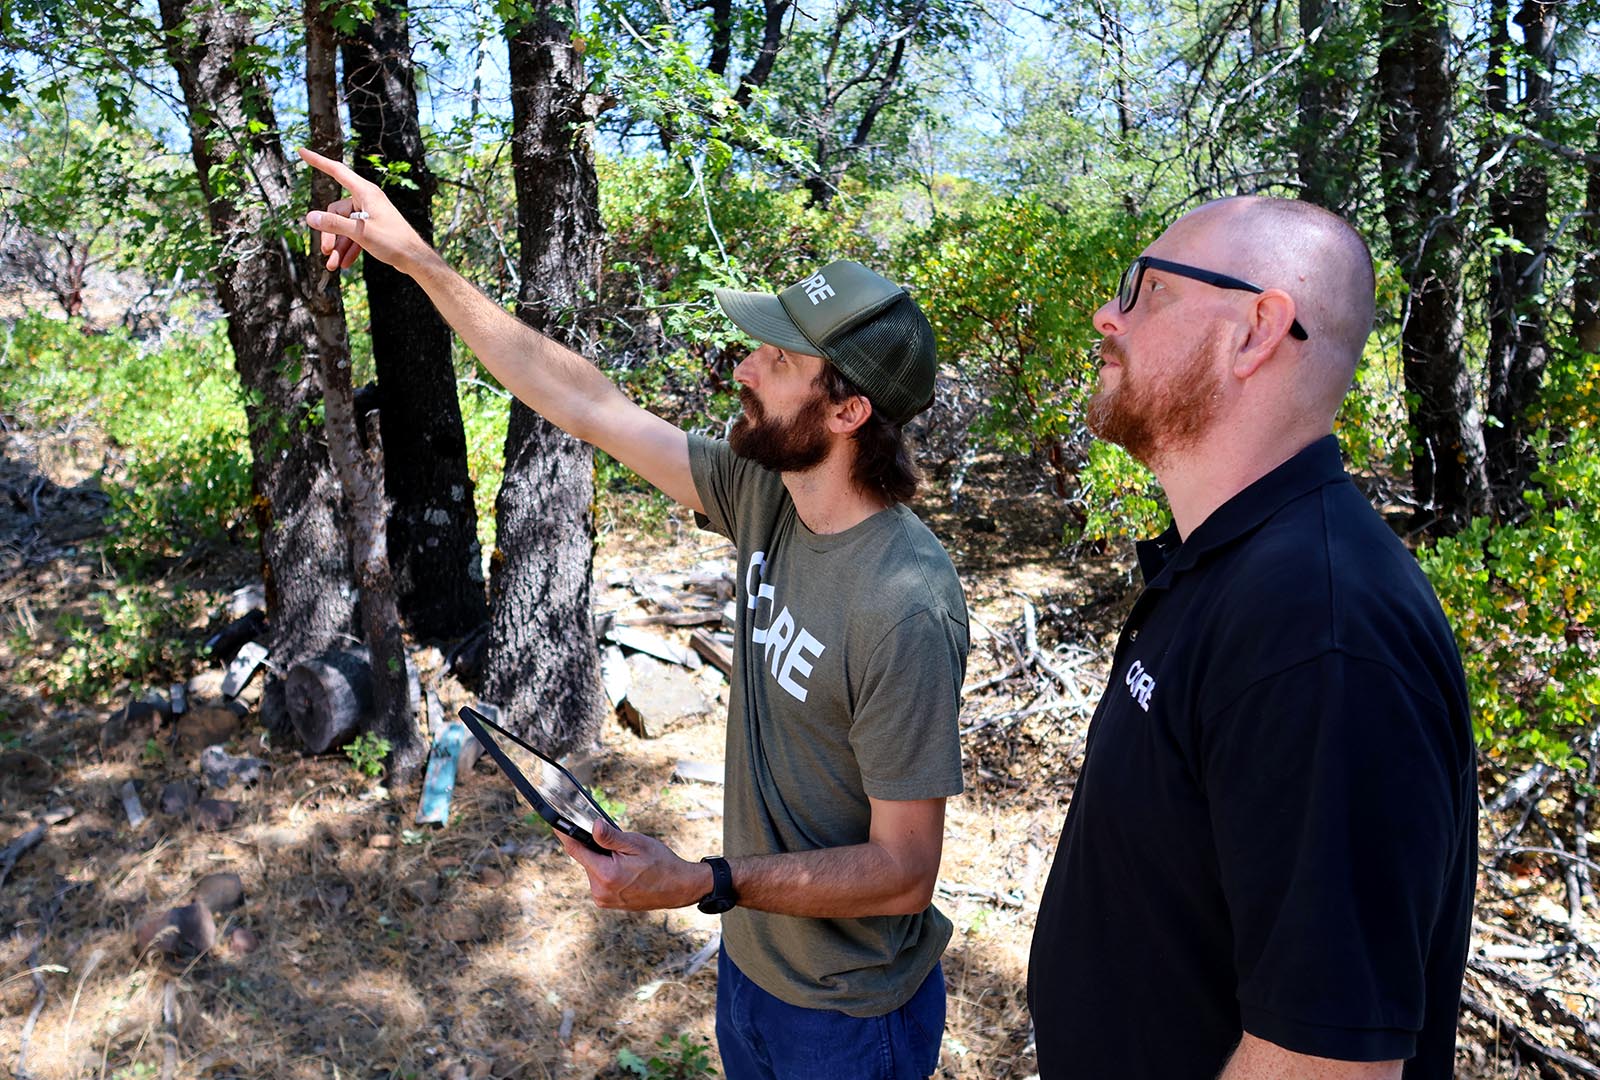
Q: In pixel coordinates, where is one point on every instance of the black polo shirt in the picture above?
(1275, 826)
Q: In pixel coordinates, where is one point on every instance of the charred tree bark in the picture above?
(773, 14)
(433, 525)
(358, 474)
(246, 183)
(1519, 208)
(542, 665)
(1586, 278)
(1417, 154)
(834, 157)
(1328, 78)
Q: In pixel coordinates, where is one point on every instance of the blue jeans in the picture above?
(763, 1038)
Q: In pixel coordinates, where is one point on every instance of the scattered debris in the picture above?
(214, 815)
(247, 599)
(30, 771)
(242, 941)
(424, 889)
(222, 770)
(178, 796)
(614, 676)
(29, 840)
(716, 654)
(129, 794)
(460, 925)
(207, 725)
(655, 645)
(220, 892)
(704, 772)
(440, 781)
(184, 932)
(251, 656)
(661, 697)
(140, 718)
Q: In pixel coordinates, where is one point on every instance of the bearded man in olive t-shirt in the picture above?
(850, 651)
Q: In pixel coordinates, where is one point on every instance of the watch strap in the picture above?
(721, 897)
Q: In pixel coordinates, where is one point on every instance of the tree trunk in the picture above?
(1328, 77)
(773, 14)
(1417, 156)
(1586, 277)
(358, 474)
(433, 525)
(1519, 208)
(543, 667)
(247, 188)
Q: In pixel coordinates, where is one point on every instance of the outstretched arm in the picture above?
(552, 380)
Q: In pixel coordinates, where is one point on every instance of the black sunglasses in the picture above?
(1133, 280)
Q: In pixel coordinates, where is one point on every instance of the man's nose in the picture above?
(1109, 319)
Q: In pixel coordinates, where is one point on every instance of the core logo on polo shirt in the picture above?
(1140, 683)
(817, 288)
(787, 648)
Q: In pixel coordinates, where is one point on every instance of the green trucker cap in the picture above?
(863, 323)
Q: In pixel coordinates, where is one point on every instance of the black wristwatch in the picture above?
(721, 897)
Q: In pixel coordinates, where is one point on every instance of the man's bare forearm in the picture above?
(1258, 1059)
(552, 380)
(842, 882)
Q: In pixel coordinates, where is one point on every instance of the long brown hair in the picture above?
(883, 463)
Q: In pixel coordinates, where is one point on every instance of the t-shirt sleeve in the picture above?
(715, 468)
(1335, 805)
(904, 725)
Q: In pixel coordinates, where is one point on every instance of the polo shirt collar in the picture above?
(1319, 464)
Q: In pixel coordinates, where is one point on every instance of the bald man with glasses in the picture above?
(1267, 867)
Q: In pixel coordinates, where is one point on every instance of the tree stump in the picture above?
(328, 696)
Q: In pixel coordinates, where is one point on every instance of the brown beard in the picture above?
(792, 445)
(1150, 420)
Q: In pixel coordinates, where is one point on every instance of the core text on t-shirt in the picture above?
(788, 649)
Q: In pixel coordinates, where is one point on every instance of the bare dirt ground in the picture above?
(367, 946)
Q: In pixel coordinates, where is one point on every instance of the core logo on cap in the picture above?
(817, 288)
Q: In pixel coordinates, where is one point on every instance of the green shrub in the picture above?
(1522, 599)
(367, 753)
(683, 1058)
(175, 412)
(139, 634)
(1010, 287)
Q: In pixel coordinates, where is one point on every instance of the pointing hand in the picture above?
(366, 221)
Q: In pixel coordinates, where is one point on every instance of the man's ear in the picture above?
(1271, 315)
(849, 414)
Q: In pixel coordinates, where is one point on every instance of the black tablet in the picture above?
(551, 790)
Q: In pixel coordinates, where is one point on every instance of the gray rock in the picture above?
(214, 815)
(661, 697)
(222, 770)
(182, 932)
(220, 893)
(178, 796)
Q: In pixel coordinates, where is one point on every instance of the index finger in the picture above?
(338, 170)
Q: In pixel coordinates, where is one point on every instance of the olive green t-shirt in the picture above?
(849, 653)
